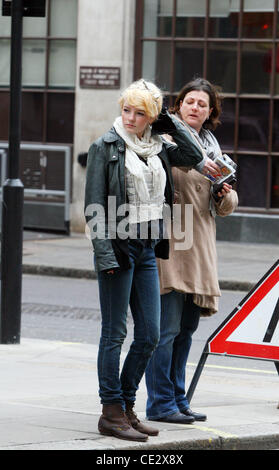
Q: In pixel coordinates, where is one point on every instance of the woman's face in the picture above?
(194, 109)
(135, 120)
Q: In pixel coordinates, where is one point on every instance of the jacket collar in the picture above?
(112, 136)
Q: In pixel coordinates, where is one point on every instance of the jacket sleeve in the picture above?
(227, 204)
(186, 152)
(95, 208)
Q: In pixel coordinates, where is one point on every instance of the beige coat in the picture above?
(194, 270)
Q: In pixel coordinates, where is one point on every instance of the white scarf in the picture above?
(148, 148)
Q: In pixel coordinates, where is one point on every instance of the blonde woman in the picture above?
(132, 164)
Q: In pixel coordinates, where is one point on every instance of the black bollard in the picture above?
(12, 209)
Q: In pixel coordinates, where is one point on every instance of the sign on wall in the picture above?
(99, 77)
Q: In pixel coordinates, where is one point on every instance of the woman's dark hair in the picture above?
(200, 84)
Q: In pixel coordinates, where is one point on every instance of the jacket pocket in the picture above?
(113, 169)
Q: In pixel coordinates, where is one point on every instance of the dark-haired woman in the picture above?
(188, 279)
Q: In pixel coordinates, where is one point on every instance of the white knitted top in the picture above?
(139, 211)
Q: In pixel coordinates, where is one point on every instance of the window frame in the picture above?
(237, 95)
(47, 88)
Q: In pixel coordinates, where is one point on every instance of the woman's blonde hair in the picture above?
(143, 95)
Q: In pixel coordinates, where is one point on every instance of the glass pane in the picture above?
(275, 183)
(157, 18)
(168, 101)
(5, 25)
(5, 52)
(223, 21)
(252, 173)
(275, 130)
(62, 63)
(225, 131)
(34, 27)
(156, 63)
(32, 117)
(188, 63)
(4, 115)
(33, 63)
(221, 65)
(60, 117)
(32, 174)
(63, 18)
(190, 18)
(258, 18)
(255, 69)
(253, 125)
(55, 171)
(276, 69)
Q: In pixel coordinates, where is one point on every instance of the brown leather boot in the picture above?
(136, 423)
(113, 422)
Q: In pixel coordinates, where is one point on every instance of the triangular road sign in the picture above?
(252, 329)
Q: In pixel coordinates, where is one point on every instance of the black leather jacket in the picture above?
(106, 177)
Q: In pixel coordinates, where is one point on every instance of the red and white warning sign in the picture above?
(252, 329)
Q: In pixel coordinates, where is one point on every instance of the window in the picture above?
(190, 18)
(235, 45)
(252, 174)
(48, 73)
(221, 65)
(253, 124)
(186, 69)
(255, 67)
(223, 19)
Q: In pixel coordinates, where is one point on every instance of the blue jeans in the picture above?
(139, 287)
(165, 374)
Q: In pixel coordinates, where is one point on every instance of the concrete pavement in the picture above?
(49, 401)
(49, 389)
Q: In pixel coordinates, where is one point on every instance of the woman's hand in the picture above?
(225, 190)
(163, 124)
(211, 168)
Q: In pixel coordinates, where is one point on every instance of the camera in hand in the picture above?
(231, 179)
(228, 173)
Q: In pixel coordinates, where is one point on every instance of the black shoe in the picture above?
(177, 418)
(196, 416)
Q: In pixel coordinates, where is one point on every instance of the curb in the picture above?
(236, 285)
(44, 270)
(256, 442)
(253, 442)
